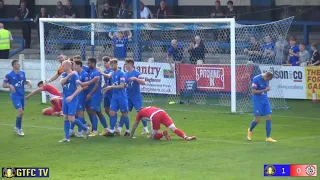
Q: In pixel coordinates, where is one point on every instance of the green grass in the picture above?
(220, 153)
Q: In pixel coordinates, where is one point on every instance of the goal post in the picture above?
(223, 80)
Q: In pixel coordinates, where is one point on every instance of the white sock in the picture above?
(111, 130)
(146, 129)
(95, 132)
(128, 131)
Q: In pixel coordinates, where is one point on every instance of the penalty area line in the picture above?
(244, 142)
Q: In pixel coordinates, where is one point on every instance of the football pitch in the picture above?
(220, 153)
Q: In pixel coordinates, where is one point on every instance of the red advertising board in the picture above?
(215, 78)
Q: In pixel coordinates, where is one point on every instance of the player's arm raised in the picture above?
(63, 80)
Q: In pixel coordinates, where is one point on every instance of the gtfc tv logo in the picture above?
(210, 78)
(296, 76)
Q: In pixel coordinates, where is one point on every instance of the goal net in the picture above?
(187, 61)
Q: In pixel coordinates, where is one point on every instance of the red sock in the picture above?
(180, 133)
(158, 136)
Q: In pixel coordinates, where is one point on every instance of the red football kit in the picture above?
(55, 97)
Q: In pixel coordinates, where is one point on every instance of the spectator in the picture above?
(231, 12)
(315, 59)
(197, 50)
(175, 52)
(120, 42)
(123, 11)
(22, 14)
(268, 50)
(43, 14)
(217, 11)
(304, 56)
(253, 50)
(5, 39)
(70, 11)
(60, 11)
(162, 11)
(2, 10)
(293, 57)
(107, 12)
(145, 12)
(281, 50)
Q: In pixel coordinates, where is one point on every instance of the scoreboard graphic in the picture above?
(292, 170)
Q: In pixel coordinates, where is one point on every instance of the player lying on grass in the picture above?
(15, 81)
(71, 88)
(55, 98)
(158, 116)
(261, 106)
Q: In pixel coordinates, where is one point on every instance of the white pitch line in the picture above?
(200, 139)
(248, 114)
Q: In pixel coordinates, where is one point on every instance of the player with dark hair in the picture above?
(133, 81)
(261, 106)
(83, 77)
(95, 97)
(54, 96)
(158, 116)
(71, 88)
(15, 81)
(119, 99)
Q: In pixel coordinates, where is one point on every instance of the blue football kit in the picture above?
(108, 94)
(133, 91)
(17, 80)
(261, 105)
(69, 108)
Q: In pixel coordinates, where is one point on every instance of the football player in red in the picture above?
(158, 116)
(55, 98)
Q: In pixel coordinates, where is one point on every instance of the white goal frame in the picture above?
(230, 21)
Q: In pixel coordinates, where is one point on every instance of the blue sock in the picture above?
(113, 121)
(253, 124)
(103, 121)
(126, 122)
(80, 125)
(268, 127)
(72, 125)
(94, 122)
(144, 123)
(66, 129)
(122, 121)
(18, 122)
(82, 120)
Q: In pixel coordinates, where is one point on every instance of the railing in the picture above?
(17, 40)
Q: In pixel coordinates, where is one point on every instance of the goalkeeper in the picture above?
(261, 105)
(60, 58)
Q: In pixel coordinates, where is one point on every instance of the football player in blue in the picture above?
(107, 74)
(95, 97)
(71, 88)
(261, 106)
(83, 77)
(133, 81)
(15, 81)
(119, 99)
